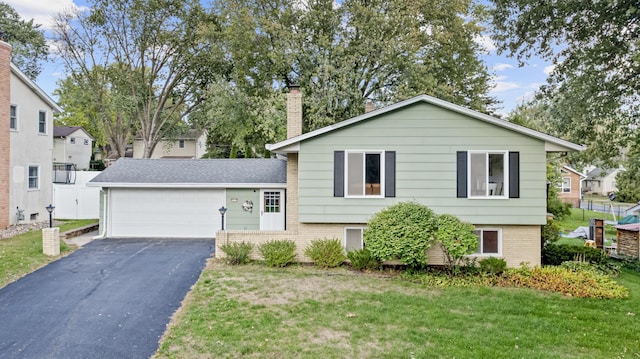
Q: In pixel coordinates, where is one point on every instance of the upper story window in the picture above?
(42, 122)
(180, 143)
(364, 174)
(72, 140)
(86, 141)
(13, 118)
(565, 186)
(34, 177)
(488, 174)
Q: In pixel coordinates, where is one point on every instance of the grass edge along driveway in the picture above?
(22, 254)
(256, 311)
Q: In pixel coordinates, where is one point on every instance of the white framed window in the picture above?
(72, 140)
(42, 122)
(364, 173)
(13, 118)
(488, 174)
(34, 177)
(489, 241)
(565, 185)
(180, 143)
(353, 238)
(86, 141)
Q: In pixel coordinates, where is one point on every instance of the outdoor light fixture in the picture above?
(222, 210)
(50, 209)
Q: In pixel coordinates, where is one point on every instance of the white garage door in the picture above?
(165, 212)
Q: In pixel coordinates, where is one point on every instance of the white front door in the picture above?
(272, 209)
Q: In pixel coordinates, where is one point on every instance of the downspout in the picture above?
(103, 230)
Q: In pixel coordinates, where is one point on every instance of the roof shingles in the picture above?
(201, 171)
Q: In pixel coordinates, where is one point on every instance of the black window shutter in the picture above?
(461, 170)
(338, 173)
(514, 174)
(390, 173)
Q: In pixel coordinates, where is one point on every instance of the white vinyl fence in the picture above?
(77, 201)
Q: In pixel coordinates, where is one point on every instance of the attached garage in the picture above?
(165, 212)
(179, 198)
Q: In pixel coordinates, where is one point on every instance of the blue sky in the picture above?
(513, 84)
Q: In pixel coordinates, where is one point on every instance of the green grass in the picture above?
(22, 254)
(257, 312)
(581, 217)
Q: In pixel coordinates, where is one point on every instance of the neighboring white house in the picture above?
(72, 144)
(192, 145)
(601, 181)
(30, 125)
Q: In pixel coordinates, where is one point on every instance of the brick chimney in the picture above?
(294, 111)
(369, 106)
(5, 104)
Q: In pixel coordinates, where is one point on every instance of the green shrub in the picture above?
(237, 252)
(630, 263)
(363, 260)
(456, 239)
(493, 265)
(278, 253)
(403, 231)
(326, 253)
(551, 231)
(554, 254)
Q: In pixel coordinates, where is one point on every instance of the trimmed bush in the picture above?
(237, 252)
(363, 260)
(554, 254)
(326, 253)
(456, 238)
(278, 253)
(493, 265)
(403, 231)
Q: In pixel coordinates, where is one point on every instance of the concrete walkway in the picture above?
(82, 239)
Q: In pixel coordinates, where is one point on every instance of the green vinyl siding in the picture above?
(236, 217)
(426, 139)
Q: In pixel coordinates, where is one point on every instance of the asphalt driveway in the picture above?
(111, 298)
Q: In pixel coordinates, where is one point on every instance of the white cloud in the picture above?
(501, 85)
(486, 42)
(41, 12)
(527, 96)
(502, 67)
(549, 69)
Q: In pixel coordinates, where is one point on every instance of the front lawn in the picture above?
(254, 311)
(22, 254)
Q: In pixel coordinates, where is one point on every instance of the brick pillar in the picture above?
(369, 106)
(294, 111)
(51, 241)
(292, 193)
(5, 104)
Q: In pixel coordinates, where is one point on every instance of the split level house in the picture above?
(485, 170)
(26, 144)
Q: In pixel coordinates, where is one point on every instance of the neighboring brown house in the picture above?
(570, 187)
(628, 241)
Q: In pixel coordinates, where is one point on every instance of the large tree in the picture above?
(29, 48)
(156, 45)
(342, 55)
(592, 95)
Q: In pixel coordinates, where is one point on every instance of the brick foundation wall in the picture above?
(5, 104)
(520, 244)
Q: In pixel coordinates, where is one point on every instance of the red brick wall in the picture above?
(5, 104)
